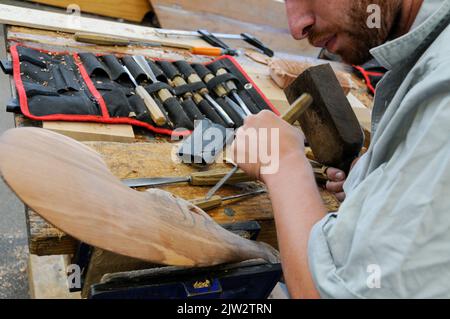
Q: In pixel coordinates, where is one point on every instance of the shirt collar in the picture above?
(430, 15)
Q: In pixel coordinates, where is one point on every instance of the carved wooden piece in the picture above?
(70, 186)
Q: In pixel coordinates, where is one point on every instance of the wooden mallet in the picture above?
(329, 123)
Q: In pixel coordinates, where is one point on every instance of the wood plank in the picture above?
(48, 279)
(223, 17)
(82, 131)
(267, 12)
(39, 19)
(131, 10)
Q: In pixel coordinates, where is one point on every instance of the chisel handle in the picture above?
(298, 108)
(155, 112)
(99, 39)
(208, 204)
(209, 178)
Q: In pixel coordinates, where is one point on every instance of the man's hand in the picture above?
(264, 140)
(336, 182)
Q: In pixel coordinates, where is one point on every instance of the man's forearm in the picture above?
(297, 207)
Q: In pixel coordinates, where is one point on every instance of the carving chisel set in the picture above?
(164, 96)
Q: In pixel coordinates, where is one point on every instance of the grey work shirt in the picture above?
(391, 236)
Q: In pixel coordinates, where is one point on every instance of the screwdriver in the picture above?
(213, 51)
(207, 178)
(219, 89)
(217, 201)
(155, 112)
(174, 108)
(232, 88)
(174, 75)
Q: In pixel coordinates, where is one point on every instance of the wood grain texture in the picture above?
(83, 131)
(132, 10)
(70, 186)
(330, 125)
(39, 19)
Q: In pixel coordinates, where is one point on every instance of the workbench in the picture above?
(144, 156)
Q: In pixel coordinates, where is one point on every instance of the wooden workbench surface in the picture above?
(151, 158)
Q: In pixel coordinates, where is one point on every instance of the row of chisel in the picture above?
(183, 111)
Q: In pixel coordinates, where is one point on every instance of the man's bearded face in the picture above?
(341, 25)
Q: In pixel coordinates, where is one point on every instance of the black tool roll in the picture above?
(102, 88)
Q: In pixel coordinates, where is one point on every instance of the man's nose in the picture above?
(301, 18)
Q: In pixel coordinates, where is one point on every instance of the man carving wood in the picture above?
(394, 219)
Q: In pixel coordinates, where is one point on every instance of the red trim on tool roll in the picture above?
(23, 100)
(105, 117)
(91, 85)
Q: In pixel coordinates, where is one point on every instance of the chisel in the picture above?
(172, 105)
(232, 88)
(204, 106)
(291, 116)
(101, 39)
(217, 201)
(201, 33)
(155, 112)
(207, 178)
(177, 80)
(219, 89)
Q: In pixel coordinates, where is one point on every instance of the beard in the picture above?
(359, 37)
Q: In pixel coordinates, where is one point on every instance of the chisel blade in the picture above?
(241, 103)
(157, 181)
(142, 62)
(222, 182)
(220, 110)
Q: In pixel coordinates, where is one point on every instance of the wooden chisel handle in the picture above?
(209, 178)
(155, 112)
(99, 39)
(209, 204)
(297, 108)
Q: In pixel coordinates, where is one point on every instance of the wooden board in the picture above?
(132, 10)
(267, 12)
(92, 131)
(38, 19)
(265, 19)
(70, 186)
(48, 279)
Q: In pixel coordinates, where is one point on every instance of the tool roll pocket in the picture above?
(114, 86)
(89, 87)
(53, 85)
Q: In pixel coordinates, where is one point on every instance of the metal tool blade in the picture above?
(249, 194)
(130, 76)
(241, 103)
(142, 62)
(222, 182)
(236, 107)
(219, 109)
(157, 181)
(167, 32)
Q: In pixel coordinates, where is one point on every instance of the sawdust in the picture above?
(13, 265)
